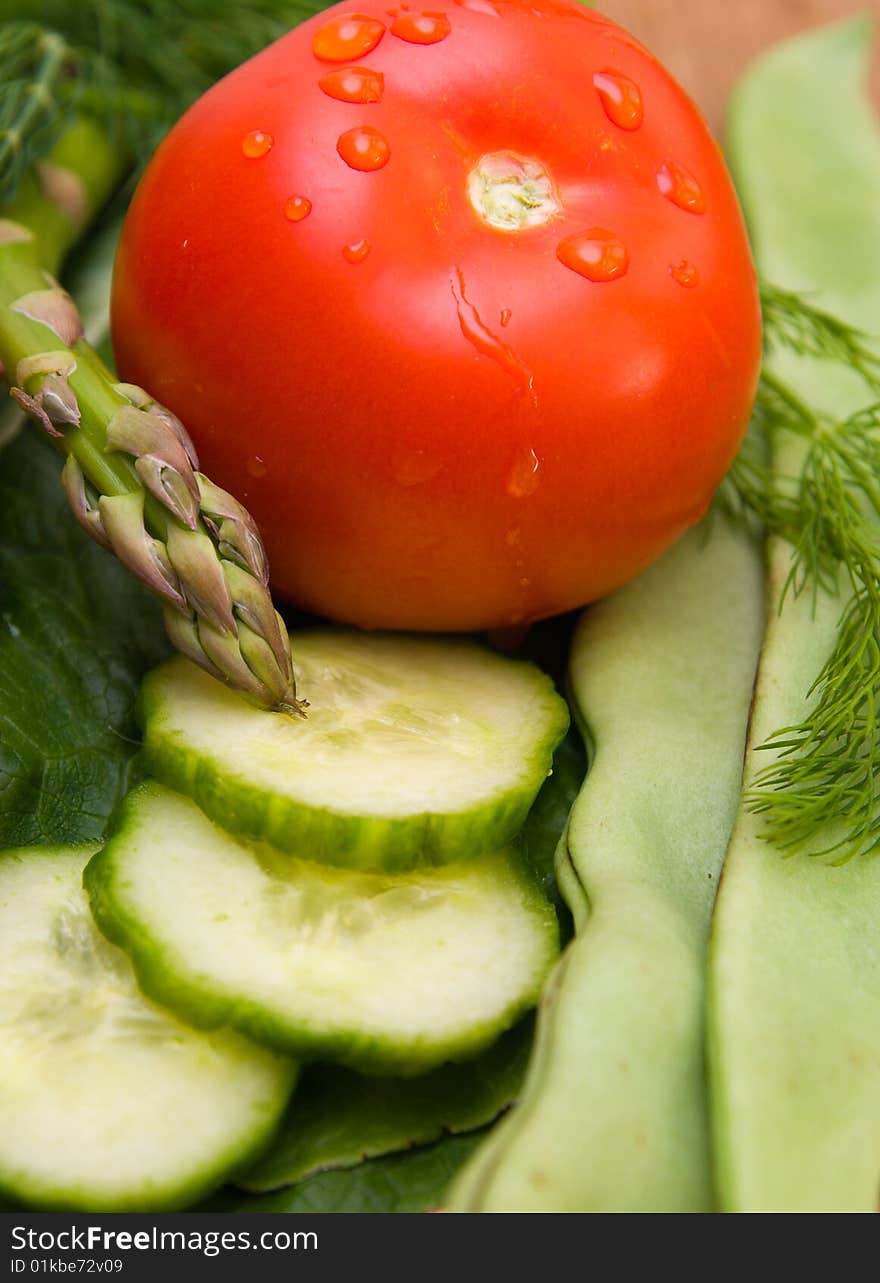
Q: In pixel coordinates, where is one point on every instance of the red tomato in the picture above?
(458, 301)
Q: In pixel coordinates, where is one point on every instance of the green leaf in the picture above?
(76, 634)
(338, 1118)
(546, 820)
(413, 1182)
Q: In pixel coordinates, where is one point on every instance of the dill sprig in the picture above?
(823, 779)
(37, 73)
(135, 65)
(792, 322)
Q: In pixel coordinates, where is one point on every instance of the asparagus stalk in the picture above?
(131, 474)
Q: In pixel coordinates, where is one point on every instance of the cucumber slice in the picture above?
(383, 973)
(415, 751)
(106, 1102)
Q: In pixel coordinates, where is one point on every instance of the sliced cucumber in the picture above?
(106, 1102)
(384, 973)
(415, 751)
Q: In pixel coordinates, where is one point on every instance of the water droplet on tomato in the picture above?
(513, 538)
(354, 84)
(256, 144)
(421, 28)
(256, 467)
(621, 99)
(505, 316)
(356, 251)
(678, 185)
(347, 37)
(685, 273)
(480, 6)
(525, 475)
(414, 467)
(596, 254)
(363, 148)
(486, 343)
(296, 208)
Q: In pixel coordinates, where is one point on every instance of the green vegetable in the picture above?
(131, 472)
(613, 1115)
(108, 1103)
(338, 1118)
(821, 493)
(384, 973)
(795, 960)
(88, 273)
(83, 89)
(417, 750)
(795, 1008)
(413, 1182)
(88, 277)
(77, 634)
(546, 821)
(132, 65)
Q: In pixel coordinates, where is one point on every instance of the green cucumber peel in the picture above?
(417, 750)
(110, 1104)
(389, 974)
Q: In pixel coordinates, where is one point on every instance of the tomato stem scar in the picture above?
(511, 193)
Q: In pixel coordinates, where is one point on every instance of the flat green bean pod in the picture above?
(795, 957)
(613, 1114)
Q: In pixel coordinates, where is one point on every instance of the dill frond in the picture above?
(824, 776)
(37, 73)
(792, 322)
(135, 65)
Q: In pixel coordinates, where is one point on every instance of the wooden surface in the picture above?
(707, 43)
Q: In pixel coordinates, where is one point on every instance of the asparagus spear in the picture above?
(131, 474)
